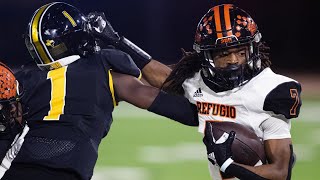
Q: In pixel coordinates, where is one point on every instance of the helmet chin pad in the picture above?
(229, 77)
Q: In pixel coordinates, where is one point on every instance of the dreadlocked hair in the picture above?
(184, 69)
(264, 52)
(190, 64)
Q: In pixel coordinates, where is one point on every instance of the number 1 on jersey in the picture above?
(58, 93)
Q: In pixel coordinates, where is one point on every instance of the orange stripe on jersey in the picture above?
(227, 20)
(217, 21)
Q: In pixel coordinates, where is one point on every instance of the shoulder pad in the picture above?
(284, 99)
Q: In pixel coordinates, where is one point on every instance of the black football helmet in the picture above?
(10, 107)
(58, 30)
(227, 26)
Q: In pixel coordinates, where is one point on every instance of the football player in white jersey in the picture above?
(228, 78)
(231, 80)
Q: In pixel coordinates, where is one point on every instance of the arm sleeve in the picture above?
(120, 62)
(242, 173)
(175, 107)
(276, 128)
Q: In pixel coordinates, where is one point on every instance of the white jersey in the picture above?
(264, 96)
(249, 105)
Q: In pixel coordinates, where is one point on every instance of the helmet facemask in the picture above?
(233, 75)
(80, 43)
(10, 116)
(10, 107)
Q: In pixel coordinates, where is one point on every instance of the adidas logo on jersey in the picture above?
(198, 93)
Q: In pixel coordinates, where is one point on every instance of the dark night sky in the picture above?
(162, 27)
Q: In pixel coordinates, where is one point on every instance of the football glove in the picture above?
(222, 151)
(13, 151)
(100, 27)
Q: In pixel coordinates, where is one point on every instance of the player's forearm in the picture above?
(241, 172)
(267, 171)
(155, 73)
(175, 107)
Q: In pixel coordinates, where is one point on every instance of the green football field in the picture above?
(144, 146)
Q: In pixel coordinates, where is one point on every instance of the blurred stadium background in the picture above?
(143, 146)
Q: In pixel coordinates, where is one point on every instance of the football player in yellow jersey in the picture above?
(70, 93)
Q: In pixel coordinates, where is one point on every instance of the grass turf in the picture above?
(165, 150)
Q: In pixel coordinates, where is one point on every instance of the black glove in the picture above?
(222, 152)
(99, 26)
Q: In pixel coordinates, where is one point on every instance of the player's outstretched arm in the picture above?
(178, 108)
(154, 72)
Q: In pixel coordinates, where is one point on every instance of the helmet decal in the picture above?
(224, 26)
(245, 23)
(50, 43)
(67, 15)
(222, 20)
(252, 27)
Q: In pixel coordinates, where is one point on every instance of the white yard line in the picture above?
(120, 173)
(172, 154)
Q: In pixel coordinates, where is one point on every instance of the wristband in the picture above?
(139, 56)
(226, 164)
